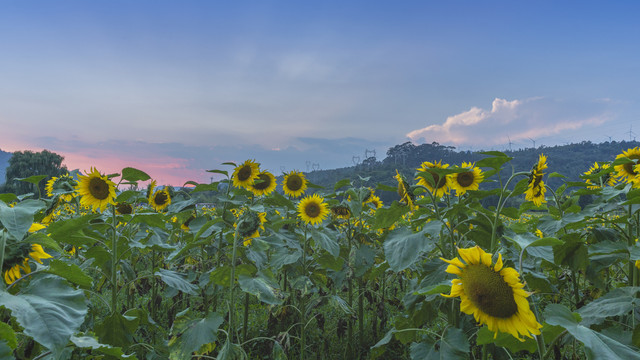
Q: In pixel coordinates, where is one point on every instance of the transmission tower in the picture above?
(308, 163)
(631, 133)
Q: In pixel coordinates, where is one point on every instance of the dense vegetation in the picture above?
(116, 267)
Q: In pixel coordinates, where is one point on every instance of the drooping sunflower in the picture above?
(245, 174)
(17, 260)
(406, 196)
(160, 199)
(441, 184)
(265, 184)
(63, 183)
(312, 209)
(604, 176)
(493, 294)
(124, 208)
(96, 190)
(629, 171)
(294, 184)
(341, 211)
(259, 226)
(536, 188)
(468, 180)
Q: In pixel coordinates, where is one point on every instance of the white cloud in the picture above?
(515, 120)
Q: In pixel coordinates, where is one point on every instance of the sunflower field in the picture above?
(113, 266)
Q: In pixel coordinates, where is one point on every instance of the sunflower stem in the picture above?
(303, 310)
(3, 242)
(114, 262)
(630, 242)
(232, 285)
(501, 201)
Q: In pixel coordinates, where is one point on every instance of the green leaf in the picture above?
(337, 302)
(221, 276)
(205, 187)
(597, 345)
(386, 217)
(8, 197)
(342, 183)
(116, 330)
(325, 240)
(155, 220)
(403, 247)
(71, 272)
(8, 335)
(48, 309)
(177, 281)
(618, 302)
(454, 344)
(278, 352)
(263, 287)
(134, 175)
(92, 343)
(495, 161)
(223, 172)
(189, 333)
(572, 253)
(18, 219)
(35, 179)
(5, 351)
(486, 336)
(126, 195)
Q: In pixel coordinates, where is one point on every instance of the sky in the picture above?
(175, 88)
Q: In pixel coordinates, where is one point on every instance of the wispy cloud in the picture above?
(515, 120)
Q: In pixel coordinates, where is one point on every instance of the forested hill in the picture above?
(4, 162)
(569, 160)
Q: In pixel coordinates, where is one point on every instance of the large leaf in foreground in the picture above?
(48, 309)
(189, 333)
(403, 247)
(597, 345)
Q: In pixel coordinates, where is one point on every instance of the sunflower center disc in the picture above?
(244, 173)
(628, 167)
(440, 182)
(160, 198)
(294, 183)
(465, 179)
(312, 210)
(266, 181)
(99, 188)
(488, 291)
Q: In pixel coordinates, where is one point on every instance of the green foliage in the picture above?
(27, 164)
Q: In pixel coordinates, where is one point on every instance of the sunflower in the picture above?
(440, 185)
(124, 208)
(262, 218)
(493, 294)
(64, 183)
(406, 196)
(375, 201)
(313, 209)
(341, 211)
(629, 170)
(604, 176)
(294, 184)
(159, 199)
(536, 188)
(265, 186)
(17, 259)
(96, 190)
(468, 180)
(245, 174)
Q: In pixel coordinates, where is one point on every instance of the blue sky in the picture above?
(178, 87)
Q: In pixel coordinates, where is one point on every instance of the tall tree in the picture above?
(28, 163)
